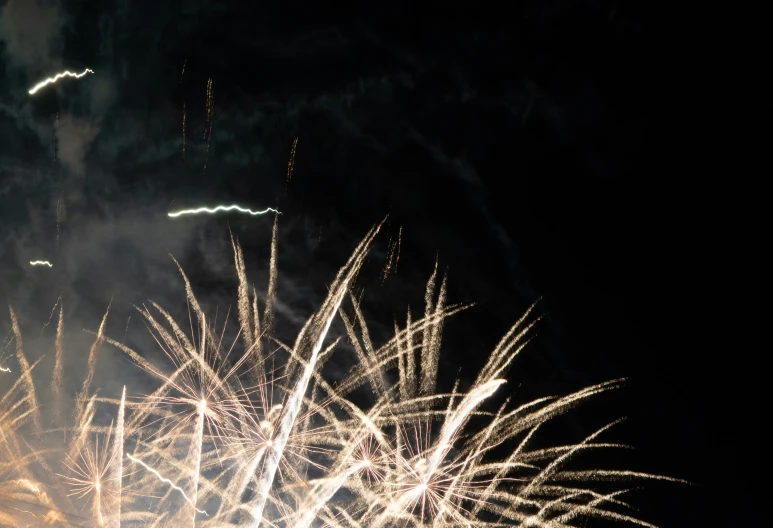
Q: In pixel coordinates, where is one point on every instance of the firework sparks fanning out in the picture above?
(55, 78)
(220, 208)
(252, 434)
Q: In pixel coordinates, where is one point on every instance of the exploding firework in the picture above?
(251, 433)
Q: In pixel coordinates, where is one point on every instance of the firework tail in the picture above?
(56, 382)
(117, 476)
(318, 324)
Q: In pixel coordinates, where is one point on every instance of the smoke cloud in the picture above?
(30, 29)
(75, 135)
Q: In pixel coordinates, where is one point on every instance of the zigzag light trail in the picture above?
(165, 481)
(55, 78)
(224, 208)
(41, 263)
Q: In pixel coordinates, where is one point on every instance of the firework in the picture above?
(216, 209)
(393, 256)
(250, 433)
(291, 161)
(184, 117)
(55, 78)
(208, 125)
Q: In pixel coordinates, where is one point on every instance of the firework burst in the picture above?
(251, 434)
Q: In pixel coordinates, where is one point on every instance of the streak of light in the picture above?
(393, 256)
(126, 330)
(166, 481)
(59, 214)
(55, 78)
(3, 369)
(184, 115)
(41, 263)
(291, 162)
(222, 208)
(208, 124)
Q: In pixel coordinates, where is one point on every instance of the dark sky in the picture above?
(595, 154)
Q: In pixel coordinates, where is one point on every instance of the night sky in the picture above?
(593, 155)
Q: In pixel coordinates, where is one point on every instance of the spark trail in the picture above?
(393, 256)
(208, 124)
(41, 263)
(291, 162)
(184, 116)
(166, 481)
(219, 208)
(117, 476)
(55, 78)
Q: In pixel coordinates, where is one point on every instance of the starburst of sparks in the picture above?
(55, 78)
(248, 430)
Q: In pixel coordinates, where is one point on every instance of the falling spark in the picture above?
(184, 115)
(393, 256)
(166, 481)
(41, 263)
(210, 106)
(222, 208)
(3, 369)
(291, 162)
(59, 215)
(183, 70)
(126, 330)
(208, 124)
(55, 78)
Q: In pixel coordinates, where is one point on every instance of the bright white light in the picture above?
(222, 208)
(55, 78)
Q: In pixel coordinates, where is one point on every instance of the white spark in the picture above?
(166, 481)
(3, 369)
(41, 263)
(55, 78)
(222, 208)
